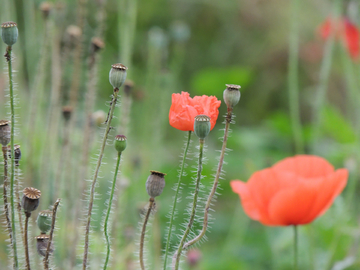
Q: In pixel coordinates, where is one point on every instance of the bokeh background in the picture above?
(195, 46)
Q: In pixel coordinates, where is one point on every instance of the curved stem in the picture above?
(17, 193)
(92, 190)
(177, 255)
(293, 80)
(27, 259)
(176, 199)
(295, 248)
(141, 253)
(12, 109)
(109, 210)
(47, 254)
(216, 182)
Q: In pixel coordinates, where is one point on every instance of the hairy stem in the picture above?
(143, 231)
(12, 109)
(109, 210)
(92, 190)
(176, 199)
(216, 182)
(46, 258)
(27, 259)
(177, 255)
(17, 193)
(295, 247)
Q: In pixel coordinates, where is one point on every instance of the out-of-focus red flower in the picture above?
(294, 191)
(344, 30)
(184, 109)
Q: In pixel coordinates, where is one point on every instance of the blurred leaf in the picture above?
(211, 81)
(336, 126)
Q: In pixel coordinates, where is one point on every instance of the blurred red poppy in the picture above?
(294, 191)
(344, 30)
(184, 109)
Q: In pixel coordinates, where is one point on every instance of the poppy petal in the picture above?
(352, 39)
(305, 166)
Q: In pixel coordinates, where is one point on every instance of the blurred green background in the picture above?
(195, 46)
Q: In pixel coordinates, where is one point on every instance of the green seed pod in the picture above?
(231, 95)
(120, 143)
(5, 132)
(44, 220)
(117, 75)
(41, 244)
(30, 200)
(155, 184)
(9, 33)
(202, 126)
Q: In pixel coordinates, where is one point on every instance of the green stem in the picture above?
(109, 210)
(177, 255)
(92, 190)
(295, 247)
(176, 199)
(12, 108)
(293, 81)
(216, 182)
(142, 238)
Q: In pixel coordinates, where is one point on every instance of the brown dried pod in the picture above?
(45, 8)
(5, 132)
(41, 244)
(30, 200)
(96, 44)
(155, 184)
(67, 110)
(17, 153)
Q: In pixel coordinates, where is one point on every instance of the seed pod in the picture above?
(202, 126)
(67, 110)
(98, 117)
(44, 220)
(5, 132)
(41, 244)
(128, 87)
(117, 75)
(231, 95)
(17, 153)
(9, 33)
(96, 44)
(45, 8)
(155, 184)
(30, 200)
(120, 143)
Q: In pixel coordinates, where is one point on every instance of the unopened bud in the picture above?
(44, 220)
(30, 200)
(120, 143)
(155, 184)
(231, 95)
(41, 244)
(5, 132)
(9, 33)
(117, 75)
(202, 126)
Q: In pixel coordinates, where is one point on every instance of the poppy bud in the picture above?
(5, 132)
(202, 126)
(9, 33)
(41, 244)
(117, 75)
(155, 184)
(44, 220)
(231, 95)
(30, 199)
(67, 110)
(120, 143)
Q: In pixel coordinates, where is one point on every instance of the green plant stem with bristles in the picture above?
(296, 267)
(27, 258)
(177, 255)
(216, 182)
(143, 231)
(109, 210)
(98, 164)
(293, 80)
(187, 143)
(12, 109)
(47, 254)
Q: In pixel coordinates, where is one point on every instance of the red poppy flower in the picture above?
(343, 30)
(184, 109)
(294, 191)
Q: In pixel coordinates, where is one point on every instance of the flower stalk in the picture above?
(172, 217)
(295, 247)
(142, 238)
(177, 255)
